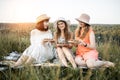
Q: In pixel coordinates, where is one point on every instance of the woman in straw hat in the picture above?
(86, 53)
(61, 36)
(39, 51)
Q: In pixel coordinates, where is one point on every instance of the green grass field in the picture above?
(15, 37)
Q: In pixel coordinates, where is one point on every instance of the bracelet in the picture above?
(85, 45)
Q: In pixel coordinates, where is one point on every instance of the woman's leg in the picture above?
(21, 60)
(61, 56)
(91, 59)
(108, 64)
(69, 56)
(92, 63)
(80, 62)
(29, 61)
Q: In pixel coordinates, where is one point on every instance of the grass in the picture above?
(17, 39)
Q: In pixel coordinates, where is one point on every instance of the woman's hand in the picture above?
(65, 45)
(45, 40)
(58, 45)
(73, 43)
(82, 43)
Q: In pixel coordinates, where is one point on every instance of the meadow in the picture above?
(15, 37)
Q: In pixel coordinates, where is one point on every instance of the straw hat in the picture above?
(42, 17)
(84, 18)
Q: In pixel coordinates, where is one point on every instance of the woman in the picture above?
(39, 51)
(86, 53)
(61, 36)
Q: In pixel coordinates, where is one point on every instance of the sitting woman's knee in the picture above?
(90, 63)
(79, 61)
(76, 60)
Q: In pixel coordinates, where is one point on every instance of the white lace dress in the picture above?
(37, 50)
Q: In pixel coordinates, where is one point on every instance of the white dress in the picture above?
(37, 50)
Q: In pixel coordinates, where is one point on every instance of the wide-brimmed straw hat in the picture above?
(84, 18)
(42, 18)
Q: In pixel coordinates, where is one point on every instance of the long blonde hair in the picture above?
(78, 31)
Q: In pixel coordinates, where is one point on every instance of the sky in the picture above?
(100, 11)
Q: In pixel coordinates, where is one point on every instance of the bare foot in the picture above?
(108, 64)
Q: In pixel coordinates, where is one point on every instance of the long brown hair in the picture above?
(40, 26)
(66, 31)
(78, 31)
